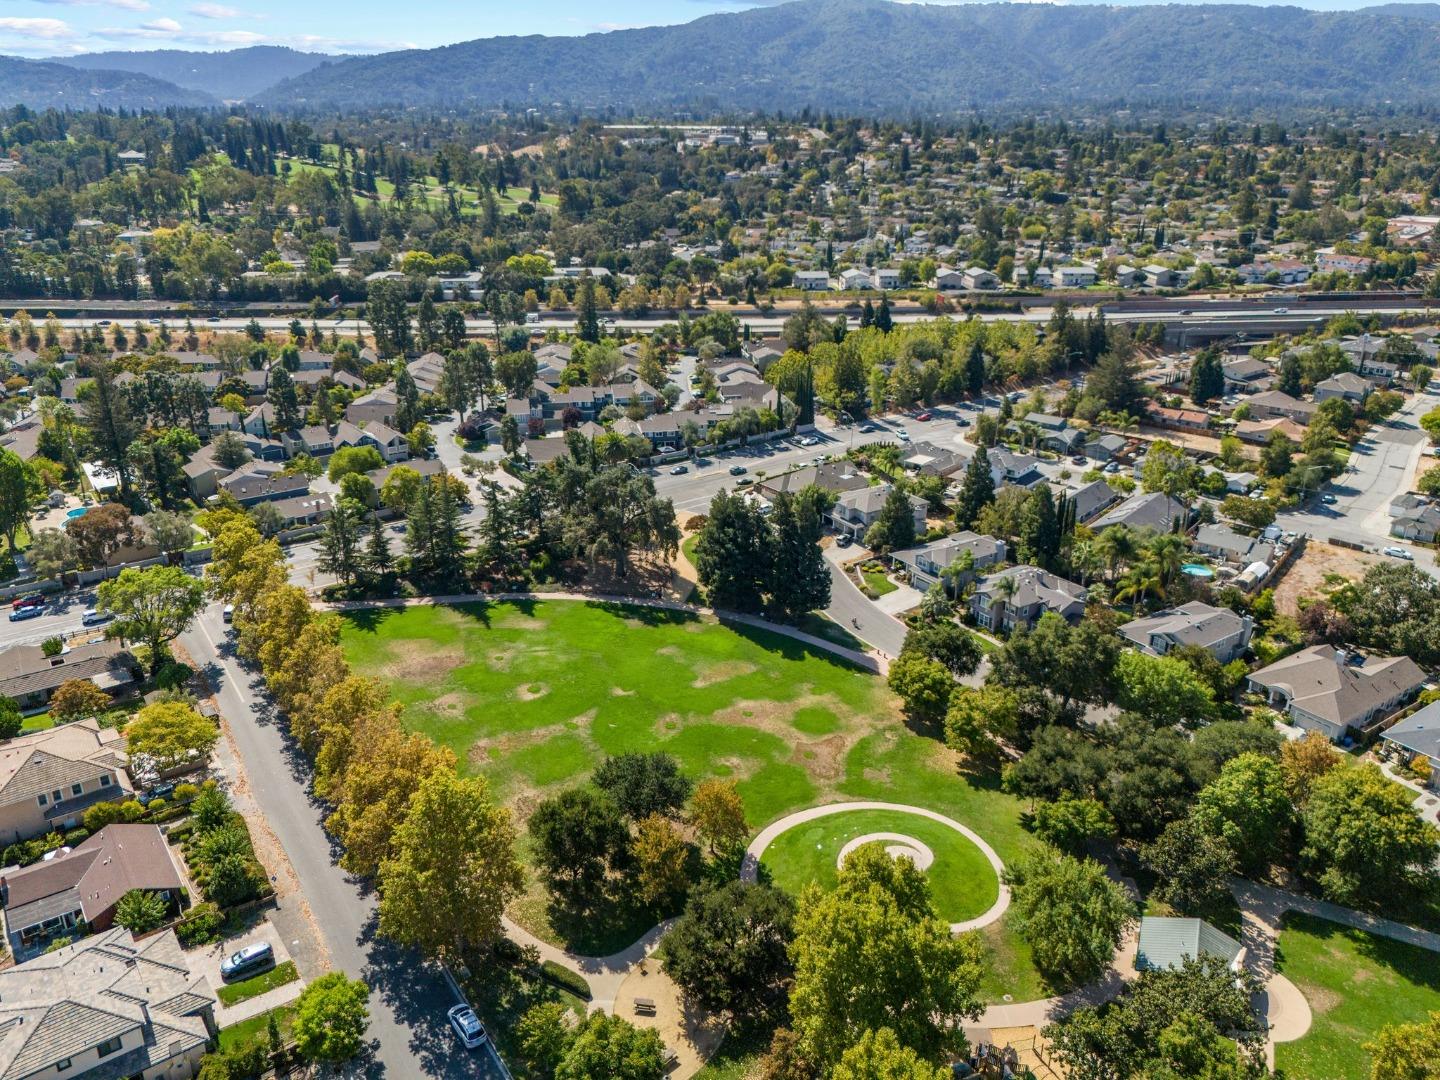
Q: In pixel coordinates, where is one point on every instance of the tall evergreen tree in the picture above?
(867, 315)
(977, 490)
(894, 526)
(1040, 528)
(799, 576)
(883, 322)
(340, 544)
(732, 554)
(109, 421)
(587, 318)
(427, 323)
(407, 402)
(1207, 377)
(378, 559)
(283, 400)
(975, 368)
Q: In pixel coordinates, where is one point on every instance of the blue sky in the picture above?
(57, 27)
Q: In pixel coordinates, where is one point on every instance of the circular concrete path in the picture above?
(896, 845)
(750, 865)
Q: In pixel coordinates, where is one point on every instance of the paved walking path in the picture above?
(871, 663)
(750, 865)
(604, 973)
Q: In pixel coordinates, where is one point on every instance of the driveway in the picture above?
(208, 960)
(850, 608)
(408, 1031)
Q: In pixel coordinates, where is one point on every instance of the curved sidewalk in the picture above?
(750, 865)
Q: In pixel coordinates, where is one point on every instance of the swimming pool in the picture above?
(79, 511)
(1197, 571)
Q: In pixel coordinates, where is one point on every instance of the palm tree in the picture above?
(955, 573)
(1142, 580)
(1168, 552)
(1002, 591)
(936, 604)
(1116, 547)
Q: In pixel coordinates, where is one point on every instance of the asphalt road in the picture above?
(1380, 468)
(409, 1034)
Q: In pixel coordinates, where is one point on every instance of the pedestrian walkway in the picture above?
(603, 973)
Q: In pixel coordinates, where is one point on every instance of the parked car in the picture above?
(159, 791)
(23, 613)
(960, 421)
(744, 481)
(922, 417)
(1393, 552)
(902, 434)
(1112, 467)
(809, 440)
(1328, 499)
(843, 540)
(679, 469)
(93, 616)
(228, 614)
(737, 470)
(468, 1027)
(866, 429)
(1079, 459)
(248, 961)
(33, 599)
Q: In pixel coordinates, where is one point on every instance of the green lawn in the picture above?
(877, 583)
(245, 989)
(533, 694)
(962, 882)
(255, 1031)
(1356, 984)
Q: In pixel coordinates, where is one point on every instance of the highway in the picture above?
(1203, 317)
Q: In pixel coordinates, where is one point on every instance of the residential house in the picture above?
(928, 562)
(28, 677)
(1327, 262)
(1147, 510)
(1159, 277)
(1345, 385)
(1127, 277)
(1105, 447)
(835, 477)
(1008, 467)
(1246, 374)
(1276, 404)
(1332, 690)
(1379, 372)
(812, 280)
(887, 277)
(379, 404)
(855, 511)
(108, 1006)
(855, 278)
(1416, 739)
(392, 445)
(948, 279)
(978, 278)
(1019, 595)
(931, 460)
(50, 899)
(49, 778)
(1219, 631)
(1088, 499)
(1166, 942)
(1235, 548)
(1079, 276)
(311, 508)
(1257, 432)
(260, 482)
(1420, 520)
(1196, 420)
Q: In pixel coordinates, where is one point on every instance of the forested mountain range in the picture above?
(841, 55)
(228, 76)
(42, 84)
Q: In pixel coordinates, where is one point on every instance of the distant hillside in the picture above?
(863, 55)
(44, 85)
(228, 76)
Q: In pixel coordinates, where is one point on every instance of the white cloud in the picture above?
(166, 26)
(37, 29)
(216, 11)
(124, 5)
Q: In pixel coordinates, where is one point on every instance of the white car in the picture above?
(467, 1026)
(902, 434)
(94, 616)
(809, 441)
(1398, 553)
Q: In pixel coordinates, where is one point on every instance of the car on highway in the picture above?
(1280, 311)
(213, 319)
(922, 417)
(679, 470)
(94, 616)
(737, 470)
(1186, 311)
(1393, 552)
(248, 961)
(33, 599)
(744, 481)
(468, 1028)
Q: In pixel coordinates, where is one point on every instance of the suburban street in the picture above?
(408, 1030)
(1381, 467)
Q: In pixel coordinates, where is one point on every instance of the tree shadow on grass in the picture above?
(1412, 963)
(643, 613)
(788, 647)
(369, 619)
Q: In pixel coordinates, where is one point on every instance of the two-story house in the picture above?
(1019, 595)
(1219, 631)
(48, 779)
(855, 511)
(928, 563)
(105, 1008)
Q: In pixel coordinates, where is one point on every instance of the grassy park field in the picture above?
(534, 694)
(1356, 984)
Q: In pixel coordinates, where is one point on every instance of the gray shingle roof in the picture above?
(1165, 942)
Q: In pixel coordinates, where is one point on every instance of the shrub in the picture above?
(566, 979)
(201, 926)
(52, 646)
(173, 675)
(185, 792)
(156, 805)
(140, 911)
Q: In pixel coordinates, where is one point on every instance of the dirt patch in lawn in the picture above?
(825, 758)
(1321, 998)
(421, 661)
(532, 691)
(618, 691)
(710, 674)
(1305, 577)
(451, 704)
